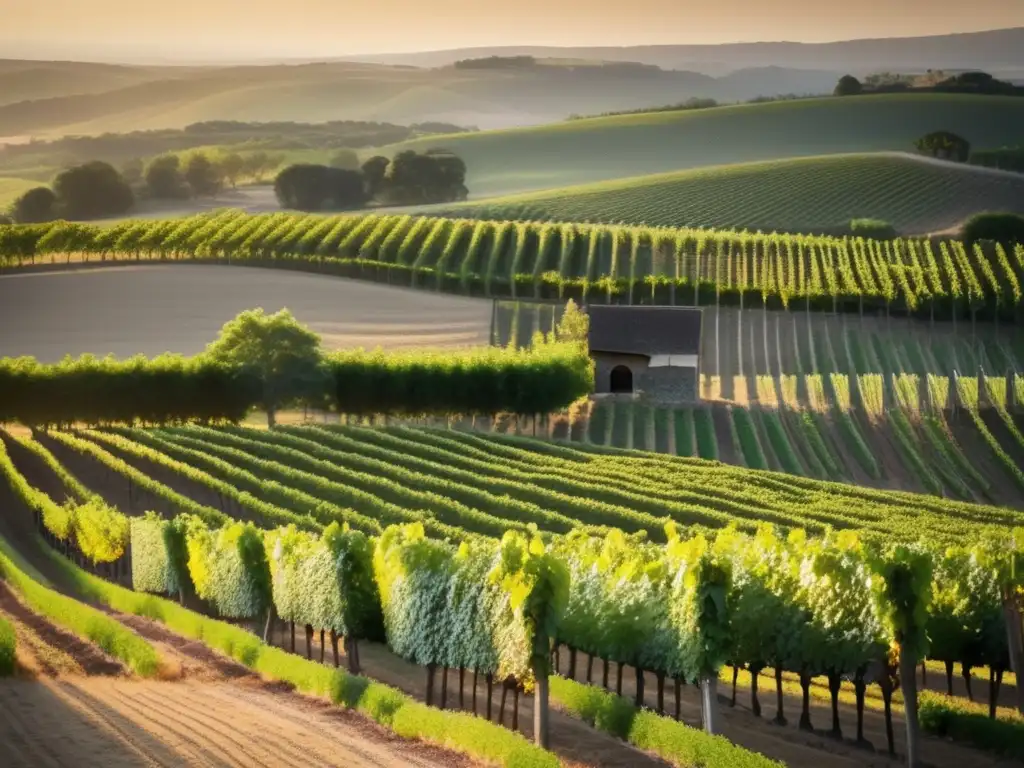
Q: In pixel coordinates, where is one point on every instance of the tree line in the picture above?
(410, 178)
(96, 189)
(272, 362)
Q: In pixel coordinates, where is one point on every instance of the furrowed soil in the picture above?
(156, 308)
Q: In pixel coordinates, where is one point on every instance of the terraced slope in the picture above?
(809, 194)
(598, 149)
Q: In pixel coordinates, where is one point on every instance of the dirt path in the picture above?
(98, 721)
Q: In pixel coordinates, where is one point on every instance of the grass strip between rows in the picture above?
(968, 722)
(679, 744)
(388, 706)
(8, 642)
(86, 622)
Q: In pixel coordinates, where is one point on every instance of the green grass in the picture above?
(678, 744)
(805, 194)
(8, 643)
(965, 721)
(632, 145)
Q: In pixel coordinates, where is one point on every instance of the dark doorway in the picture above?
(621, 380)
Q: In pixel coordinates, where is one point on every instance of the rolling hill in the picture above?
(917, 195)
(993, 50)
(598, 149)
(57, 99)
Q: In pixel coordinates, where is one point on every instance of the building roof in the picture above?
(645, 330)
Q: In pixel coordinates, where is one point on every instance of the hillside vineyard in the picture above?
(942, 279)
(391, 502)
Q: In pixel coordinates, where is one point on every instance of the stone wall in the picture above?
(663, 384)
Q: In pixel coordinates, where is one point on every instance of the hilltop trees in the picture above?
(945, 146)
(848, 85)
(319, 188)
(435, 176)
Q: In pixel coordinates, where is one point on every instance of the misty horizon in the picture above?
(193, 31)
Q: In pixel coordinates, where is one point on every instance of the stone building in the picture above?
(650, 351)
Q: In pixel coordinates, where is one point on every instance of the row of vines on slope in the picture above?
(836, 605)
(634, 264)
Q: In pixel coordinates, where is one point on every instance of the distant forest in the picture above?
(277, 136)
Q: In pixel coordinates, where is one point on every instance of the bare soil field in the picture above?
(151, 309)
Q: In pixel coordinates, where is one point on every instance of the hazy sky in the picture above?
(175, 29)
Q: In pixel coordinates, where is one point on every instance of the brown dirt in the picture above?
(35, 657)
(86, 655)
(572, 740)
(96, 721)
(126, 310)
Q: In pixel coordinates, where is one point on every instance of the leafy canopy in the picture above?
(284, 354)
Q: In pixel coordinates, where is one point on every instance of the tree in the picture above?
(34, 206)
(232, 166)
(848, 85)
(345, 159)
(164, 179)
(92, 190)
(436, 176)
(5, 221)
(1005, 228)
(203, 177)
(374, 171)
(131, 171)
(944, 145)
(317, 188)
(283, 354)
(259, 164)
(574, 326)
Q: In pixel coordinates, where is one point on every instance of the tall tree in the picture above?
(164, 179)
(282, 353)
(203, 176)
(34, 206)
(374, 171)
(848, 85)
(232, 166)
(92, 190)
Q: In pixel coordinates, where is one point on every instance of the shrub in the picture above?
(1005, 228)
(229, 568)
(7, 646)
(873, 229)
(966, 721)
(101, 531)
(153, 566)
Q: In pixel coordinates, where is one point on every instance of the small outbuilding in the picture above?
(654, 351)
